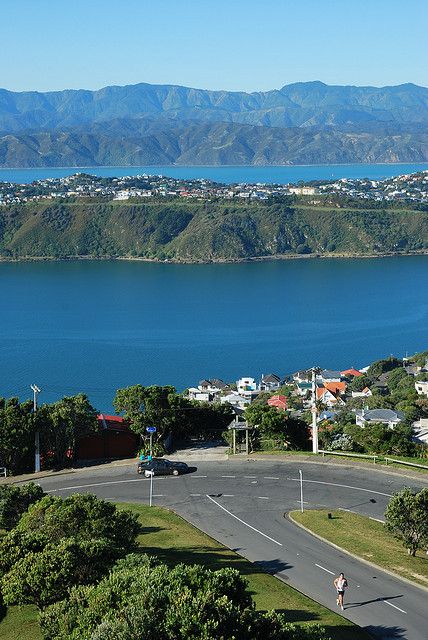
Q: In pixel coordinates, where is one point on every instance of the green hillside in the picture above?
(195, 231)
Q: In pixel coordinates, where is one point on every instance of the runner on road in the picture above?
(340, 584)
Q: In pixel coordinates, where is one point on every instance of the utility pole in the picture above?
(36, 391)
(314, 413)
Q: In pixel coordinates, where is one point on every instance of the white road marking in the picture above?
(199, 476)
(270, 478)
(344, 486)
(228, 495)
(158, 495)
(194, 495)
(263, 498)
(227, 476)
(253, 481)
(96, 484)
(250, 476)
(243, 521)
(324, 569)
(395, 607)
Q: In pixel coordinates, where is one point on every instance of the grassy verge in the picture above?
(376, 545)
(174, 540)
(20, 623)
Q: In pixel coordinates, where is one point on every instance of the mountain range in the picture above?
(302, 123)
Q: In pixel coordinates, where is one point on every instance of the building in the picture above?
(389, 417)
(248, 388)
(421, 387)
(237, 401)
(365, 393)
(271, 382)
(114, 439)
(351, 373)
(278, 401)
(327, 375)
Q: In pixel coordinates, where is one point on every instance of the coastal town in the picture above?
(367, 396)
(409, 188)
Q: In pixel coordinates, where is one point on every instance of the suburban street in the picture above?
(244, 505)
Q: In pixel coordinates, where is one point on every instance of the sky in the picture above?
(243, 45)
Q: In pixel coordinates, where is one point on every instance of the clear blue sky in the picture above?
(215, 44)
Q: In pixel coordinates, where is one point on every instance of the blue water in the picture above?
(97, 326)
(227, 174)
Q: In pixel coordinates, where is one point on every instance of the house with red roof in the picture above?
(114, 439)
(351, 373)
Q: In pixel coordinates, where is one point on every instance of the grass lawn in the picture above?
(174, 540)
(20, 623)
(376, 545)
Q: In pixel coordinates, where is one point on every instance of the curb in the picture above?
(355, 557)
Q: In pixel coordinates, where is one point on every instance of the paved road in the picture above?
(244, 505)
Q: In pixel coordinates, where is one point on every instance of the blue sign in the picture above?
(151, 429)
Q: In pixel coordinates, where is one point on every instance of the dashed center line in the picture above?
(227, 476)
(194, 495)
(344, 486)
(263, 498)
(324, 569)
(249, 477)
(199, 476)
(395, 606)
(243, 522)
(228, 495)
(270, 478)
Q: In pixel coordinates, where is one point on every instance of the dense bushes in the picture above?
(59, 543)
(15, 500)
(141, 599)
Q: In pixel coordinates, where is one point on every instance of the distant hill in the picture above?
(161, 124)
(205, 231)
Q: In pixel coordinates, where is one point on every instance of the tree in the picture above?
(62, 423)
(15, 500)
(161, 407)
(46, 576)
(406, 517)
(83, 517)
(16, 434)
(274, 424)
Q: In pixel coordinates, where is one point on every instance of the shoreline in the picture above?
(215, 166)
(249, 259)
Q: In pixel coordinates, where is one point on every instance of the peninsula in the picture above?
(165, 219)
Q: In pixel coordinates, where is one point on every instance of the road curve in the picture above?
(244, 505)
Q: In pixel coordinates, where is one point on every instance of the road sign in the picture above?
(151, 429)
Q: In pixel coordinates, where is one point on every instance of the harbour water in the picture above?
(228, 175)
(95, 326)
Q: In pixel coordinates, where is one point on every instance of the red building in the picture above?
(113, 440)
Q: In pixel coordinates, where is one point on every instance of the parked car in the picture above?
(161, 467)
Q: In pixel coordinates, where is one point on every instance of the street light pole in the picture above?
(314, 414)
(301, 490)
(36, 390)
(152, 473)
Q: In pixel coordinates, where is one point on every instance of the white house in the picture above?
(365, 393)
(385, 416)
(420, 429)
(421, 387)
(235, 400)
(247, 387)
